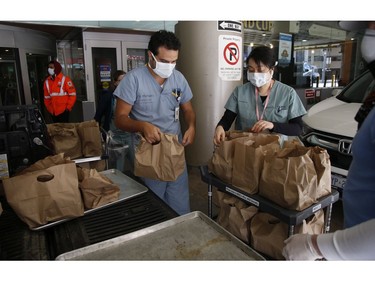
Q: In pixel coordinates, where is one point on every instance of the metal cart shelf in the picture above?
(292, 218)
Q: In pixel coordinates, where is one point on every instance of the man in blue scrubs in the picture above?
(149, 101)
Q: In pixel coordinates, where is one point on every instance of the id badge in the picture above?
(176, 114)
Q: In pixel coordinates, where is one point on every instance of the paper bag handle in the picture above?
(45, 178)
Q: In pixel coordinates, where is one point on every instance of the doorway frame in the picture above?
(121, 42)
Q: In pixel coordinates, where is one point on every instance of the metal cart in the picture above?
(292, 218)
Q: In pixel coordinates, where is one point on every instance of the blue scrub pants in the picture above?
(174, 193)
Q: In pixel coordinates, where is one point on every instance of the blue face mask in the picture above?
(164, 70)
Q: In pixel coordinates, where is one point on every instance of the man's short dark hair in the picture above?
(164, 38)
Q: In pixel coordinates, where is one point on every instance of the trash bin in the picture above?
(116, 156)
(116, 152)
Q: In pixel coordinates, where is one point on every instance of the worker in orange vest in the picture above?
(59, 93)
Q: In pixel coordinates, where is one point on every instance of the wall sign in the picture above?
(105, 72)
(230, 57)
(229, 25)
(285, 49)
(258, 25)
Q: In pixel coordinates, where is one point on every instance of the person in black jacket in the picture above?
(105, 102)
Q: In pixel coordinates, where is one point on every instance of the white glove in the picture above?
(368, 45)
(300, 247)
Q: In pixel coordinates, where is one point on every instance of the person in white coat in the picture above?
(356, 241)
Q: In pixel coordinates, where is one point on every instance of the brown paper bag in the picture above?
(47, 162)
(221, 162)
(99, 165)
(90, 137)
(97, 190)
(292, 143)
(289, 179)
(235, 215)
(248, 158)
(235, 134)
(65, 139)
(268, 232)
(46, 195)
(322, 165)
(164, 161)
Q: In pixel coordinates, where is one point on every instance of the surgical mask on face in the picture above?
(367, 46)
(51, 71)
(164, 70)
(258, 79)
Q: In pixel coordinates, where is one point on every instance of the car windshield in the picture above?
(358, 89)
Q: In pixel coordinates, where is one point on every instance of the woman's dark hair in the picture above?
(163, 38)
(262, 54)
(117, 74)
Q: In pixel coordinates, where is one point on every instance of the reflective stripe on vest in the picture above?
(62, 93)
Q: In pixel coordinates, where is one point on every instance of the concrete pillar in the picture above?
(207, 59)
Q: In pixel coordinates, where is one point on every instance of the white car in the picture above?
(330, 124)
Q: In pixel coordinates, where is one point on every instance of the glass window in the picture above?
(70, 55)
(359, 88)
(322, 53)
(9, 82)
(136, 58)
(37, 70)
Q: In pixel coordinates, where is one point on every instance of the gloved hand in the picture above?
(300, 247)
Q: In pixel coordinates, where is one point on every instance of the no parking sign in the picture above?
(230, 57)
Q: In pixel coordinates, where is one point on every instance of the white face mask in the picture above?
(258, 79)
(367, 45)
(51, 71)
(164, 70)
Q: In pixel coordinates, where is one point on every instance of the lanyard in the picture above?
(265, 103)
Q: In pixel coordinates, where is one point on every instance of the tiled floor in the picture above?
(199, 201)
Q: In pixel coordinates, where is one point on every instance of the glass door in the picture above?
(105, 64)
(105, 53)
(102, 59)
(9, 90)
(37, 70)
(135, 54)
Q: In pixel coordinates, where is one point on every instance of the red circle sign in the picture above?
(231, 53)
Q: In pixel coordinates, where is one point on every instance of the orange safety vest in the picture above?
(59, 94)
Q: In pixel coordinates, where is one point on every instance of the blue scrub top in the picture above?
(284, 104)
(359, 191)
(152, 102)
